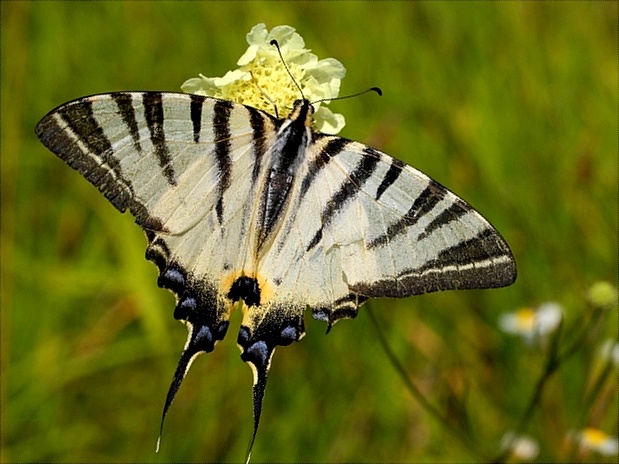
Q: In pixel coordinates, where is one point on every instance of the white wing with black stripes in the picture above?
(238, 205)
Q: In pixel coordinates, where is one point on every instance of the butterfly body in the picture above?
(240, 206)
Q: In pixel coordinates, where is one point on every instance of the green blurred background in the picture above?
(512, 105)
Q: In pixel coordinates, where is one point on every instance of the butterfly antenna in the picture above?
(276, 45)
(371, 89)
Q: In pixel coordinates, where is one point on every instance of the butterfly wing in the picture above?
(367, 225)
(186, 167)
(238, 205)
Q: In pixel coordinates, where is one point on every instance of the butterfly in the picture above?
(242, 208)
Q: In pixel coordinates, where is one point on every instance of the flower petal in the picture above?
(328, 122)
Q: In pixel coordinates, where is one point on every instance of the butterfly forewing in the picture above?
(372, 226)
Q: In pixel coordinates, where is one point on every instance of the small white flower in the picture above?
(521, 447)
(595, 440)
(262, 80)
(610, 350)
(531, 324)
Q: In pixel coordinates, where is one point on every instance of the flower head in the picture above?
(595, 440)
(602, 295)
(521, 447)
(262, 81)
(531, 323)
(610, 351)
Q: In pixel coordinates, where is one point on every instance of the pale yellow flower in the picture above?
(603, 295)
(262, 81)
(595, 440)
(532, 324)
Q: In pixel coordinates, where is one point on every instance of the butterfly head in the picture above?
(302, 110)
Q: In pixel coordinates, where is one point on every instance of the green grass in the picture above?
(512, 105)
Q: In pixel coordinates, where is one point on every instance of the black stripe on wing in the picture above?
(80, 118)
(331, 149)
(484, 261)
(73, 133)
(126, 109)
(348, 190)
(221, 127)
(423, 204)
(258, 122)
(392, 175)
(451, 214)
(153, 113)
(481, 249)
(195, 112)
(81, 143)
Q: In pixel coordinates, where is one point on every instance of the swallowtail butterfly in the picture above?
(240, 206)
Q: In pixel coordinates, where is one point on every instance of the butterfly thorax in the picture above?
(294, 136)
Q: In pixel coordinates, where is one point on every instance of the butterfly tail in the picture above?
(199, 341)
(258, 356)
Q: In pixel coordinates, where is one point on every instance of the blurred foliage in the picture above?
(512, 105)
